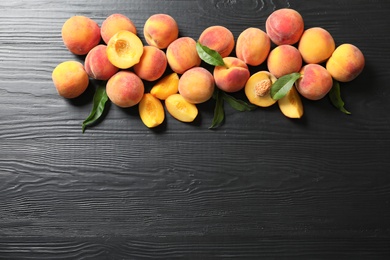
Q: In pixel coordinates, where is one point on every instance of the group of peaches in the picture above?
(125, 62)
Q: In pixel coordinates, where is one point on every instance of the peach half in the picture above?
(257, 89)
(233, 76)
(124, 49)
(291, 104)
(166, 86)
(151, 111)
(182, 110)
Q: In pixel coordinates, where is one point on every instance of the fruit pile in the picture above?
(303, 63)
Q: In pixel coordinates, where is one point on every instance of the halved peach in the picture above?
(291, 104)
(151, 110)
(257, 89)
(180, 108)
(166, 86)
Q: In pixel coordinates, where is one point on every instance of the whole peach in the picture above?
(182, 55)
(346, 63)
(160, 30)
(284, 26)
(70, 79)
(233, 76)
(115, 23)
(284, 59)
(97, 64)
(125, 89)
(253, 46)
(80, 34)
(196, 85)
(316, 45)
(315, 82)
(218, 38)
(152, 64)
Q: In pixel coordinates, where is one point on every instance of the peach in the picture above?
(151, 111)
(346, 63)
(178, 107)
(218, 38)
(166, 86)
(253, 46)
(257, 89)
(80, 34)
(160, 30)
(196, 85)
(115, 23)
(315, 82)
(97, 64)
(291, 104)
(284, 26)
(124, 49)
(233, 76)
(316, 45)
(125, 89)
(283, 60)
(70, 79)
(182, 55)
(152, 64)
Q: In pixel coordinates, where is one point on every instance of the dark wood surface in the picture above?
(261, 186)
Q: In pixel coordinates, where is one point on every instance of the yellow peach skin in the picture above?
(346, 63)
(70, 79)
(196, 85)
(80, 34)
(152, 64)
(316, 45)
(218, 38)
(253, 46)
(233, 76)
(283, 60)
(115, 23)
(160, 30)
(182, 55)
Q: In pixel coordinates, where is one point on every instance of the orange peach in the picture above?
(152, 64)
(182, 110)
(253, 46)
(284, 26)
(196, 85)
(160, 30)
(182, 55)
(115, 23)
(284, 59)
(346, 63)
(166, 86)
(316, 45)
(218, 38)
(70, 79)
(315, 82)
(151, 111)
(124, 49)
(125, 89)
(97, 64)
(291, 104)
(233, 76)
(80, 34)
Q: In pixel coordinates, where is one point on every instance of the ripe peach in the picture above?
(253, 46)
(182, 55)
(257, 89)
(115, 23)
(218, 38)
(284, 26)
(97, 64)
(233, 76)
(152, 64)
(346, 63)
(160, 30)
(80, 34)
(315, 82)
(124, 49)
(70, 79)
(284, 59)
(316, 45)
(178, 107)
(151, 111)
(125, 89)
(166, 86)
(196, 85)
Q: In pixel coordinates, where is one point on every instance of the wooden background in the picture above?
(261, 186)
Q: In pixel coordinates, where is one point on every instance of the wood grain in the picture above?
(261, 186)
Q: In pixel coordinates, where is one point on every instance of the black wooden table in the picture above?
(260, 186)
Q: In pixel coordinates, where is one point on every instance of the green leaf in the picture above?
(335, 97)
(283, 85)
(219, 113)
(208, 55)
(238, 104)
(99, 104)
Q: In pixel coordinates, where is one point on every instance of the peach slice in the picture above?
(180, 108)
(166, 86)
(257, 89)
(151, 111)
(124, 49)
(291, 104)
